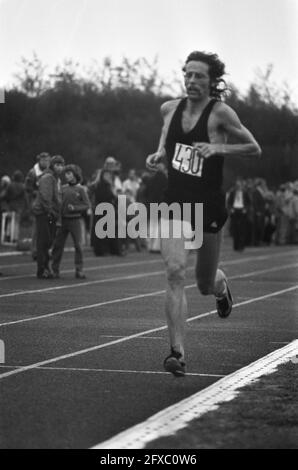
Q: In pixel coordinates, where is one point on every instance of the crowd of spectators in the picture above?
(263, 216)
(19, 193)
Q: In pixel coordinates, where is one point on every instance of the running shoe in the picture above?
(47, 274)
(224, 304)
(175, 364)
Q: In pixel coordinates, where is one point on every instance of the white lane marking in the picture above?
(26, 253)
(30, 263)
(176, 417)
(12, 253)
(81, 284)
(113, 279)
(123, 336)
(121, 371)
(139, 296)
(93, 258)
(84, 307)
(136, 335)
(91, 268)
(119, 265)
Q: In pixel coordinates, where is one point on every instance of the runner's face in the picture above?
(197, 80)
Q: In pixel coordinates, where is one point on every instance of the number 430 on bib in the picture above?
(188, 160)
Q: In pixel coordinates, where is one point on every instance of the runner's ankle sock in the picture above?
(177, 350)
(223, 293)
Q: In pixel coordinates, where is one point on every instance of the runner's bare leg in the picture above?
(175, 257)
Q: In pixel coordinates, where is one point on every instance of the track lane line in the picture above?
(136, 263)
(91, 268)
(270, 251)
(121, 371)
(136, 335)
(81, 284)
(115, 279)
(30, 263)
(139, 296)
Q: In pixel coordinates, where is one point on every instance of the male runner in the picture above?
(198, 132)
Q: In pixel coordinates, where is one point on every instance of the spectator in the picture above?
(258, 203)
(269, 219)
(294, 215)
(104, 192)
(118, 186)
(46, 207)
(142, 194)
(132, 184)
(31, 182)
(74, 202)
(249, 187)
(114, 166)
(238, 203)
(31, 186)
(283, 214)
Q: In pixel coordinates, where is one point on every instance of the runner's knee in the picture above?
(176, 272)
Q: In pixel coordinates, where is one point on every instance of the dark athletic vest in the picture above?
(192, 179)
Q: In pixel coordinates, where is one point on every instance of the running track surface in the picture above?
(83, 359)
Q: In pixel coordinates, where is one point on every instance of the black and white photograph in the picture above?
(149, 227)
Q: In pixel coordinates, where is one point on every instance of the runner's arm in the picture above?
(240, 141)
(167, 110)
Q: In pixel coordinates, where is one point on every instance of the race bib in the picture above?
(187, 160)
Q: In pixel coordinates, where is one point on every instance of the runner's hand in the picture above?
(208, 150)
(153, 161)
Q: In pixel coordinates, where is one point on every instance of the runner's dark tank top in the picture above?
(194, 179)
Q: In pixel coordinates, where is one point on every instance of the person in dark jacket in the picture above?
(103, 192)
(238, 203)
(74, 202)
(43, 161)
(46, 208)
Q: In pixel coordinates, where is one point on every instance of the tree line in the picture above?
(114, 110)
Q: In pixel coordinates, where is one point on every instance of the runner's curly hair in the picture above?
(218, 85)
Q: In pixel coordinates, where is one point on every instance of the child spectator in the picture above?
(74, 202)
